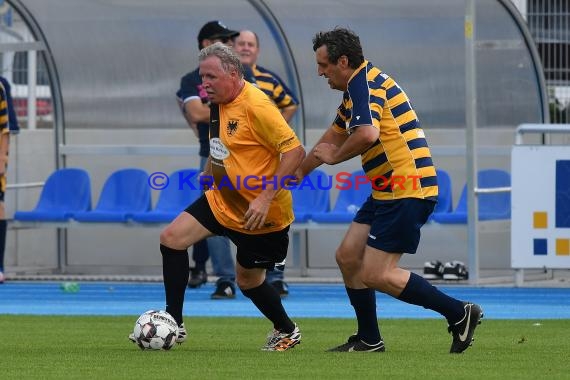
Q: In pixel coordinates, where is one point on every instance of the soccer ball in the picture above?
(155, 330)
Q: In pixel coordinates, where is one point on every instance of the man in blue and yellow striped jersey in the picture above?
(8, 124)
(376, 121)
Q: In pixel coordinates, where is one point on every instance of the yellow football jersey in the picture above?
(247, 138)
(399, 163)
(3, 110)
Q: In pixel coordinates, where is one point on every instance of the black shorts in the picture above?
(253, 251)
(395, 224)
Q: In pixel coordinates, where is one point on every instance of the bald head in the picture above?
(246, 46)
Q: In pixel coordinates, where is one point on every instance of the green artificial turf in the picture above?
(57, 347)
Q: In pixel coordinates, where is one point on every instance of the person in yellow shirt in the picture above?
(193, 102)
(252, 151)
(246, 45)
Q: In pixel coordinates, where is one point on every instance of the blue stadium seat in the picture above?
(174, 198)
(491, 206)
(445, 193)
(347, 204)
(312, 195)
(65, 192)
(124, 193)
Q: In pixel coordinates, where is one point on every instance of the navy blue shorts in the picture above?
(253, 251)
(395, 224)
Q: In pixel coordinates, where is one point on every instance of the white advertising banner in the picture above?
(540, 231)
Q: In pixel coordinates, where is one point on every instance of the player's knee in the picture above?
(345, 258)
(244, 283)
(246, 280)
(170, 238)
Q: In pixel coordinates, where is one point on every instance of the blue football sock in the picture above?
(419, 291)
(364, 303)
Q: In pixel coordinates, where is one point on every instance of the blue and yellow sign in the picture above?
(540, 233)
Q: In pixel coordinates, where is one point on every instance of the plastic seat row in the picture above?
(312, 204)
(126, 196)
(311, 199)
(492, 206)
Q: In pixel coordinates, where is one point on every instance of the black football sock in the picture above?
(175, 274)
(364, 303)
(267, 300)
(3, 226)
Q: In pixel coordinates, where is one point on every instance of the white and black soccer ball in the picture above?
(155, 330)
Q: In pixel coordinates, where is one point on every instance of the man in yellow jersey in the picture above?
(193, 102)
(252, 151)
(246, 45)
(376, 121)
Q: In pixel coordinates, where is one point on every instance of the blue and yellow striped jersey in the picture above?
(399, 163)
(273, 86)
(3, 110)
(4, 131)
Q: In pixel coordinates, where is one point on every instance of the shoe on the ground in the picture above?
(455, 270)
(355, 344)
(463, 330)
(182, 334)
(198, 277)
(181, 338)
(281, 287)
(224, 290)
(2, 277)
(433, 270)
(281, 341)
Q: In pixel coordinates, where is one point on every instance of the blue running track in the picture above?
(305, 300)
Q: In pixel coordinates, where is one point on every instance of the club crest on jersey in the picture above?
(232, 127)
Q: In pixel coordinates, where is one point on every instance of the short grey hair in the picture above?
(228, 57)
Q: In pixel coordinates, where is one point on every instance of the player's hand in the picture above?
(257, 212)
(297, 178)
(326, 153)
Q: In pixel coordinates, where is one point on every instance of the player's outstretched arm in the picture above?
(311, 162)
(357, 142)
